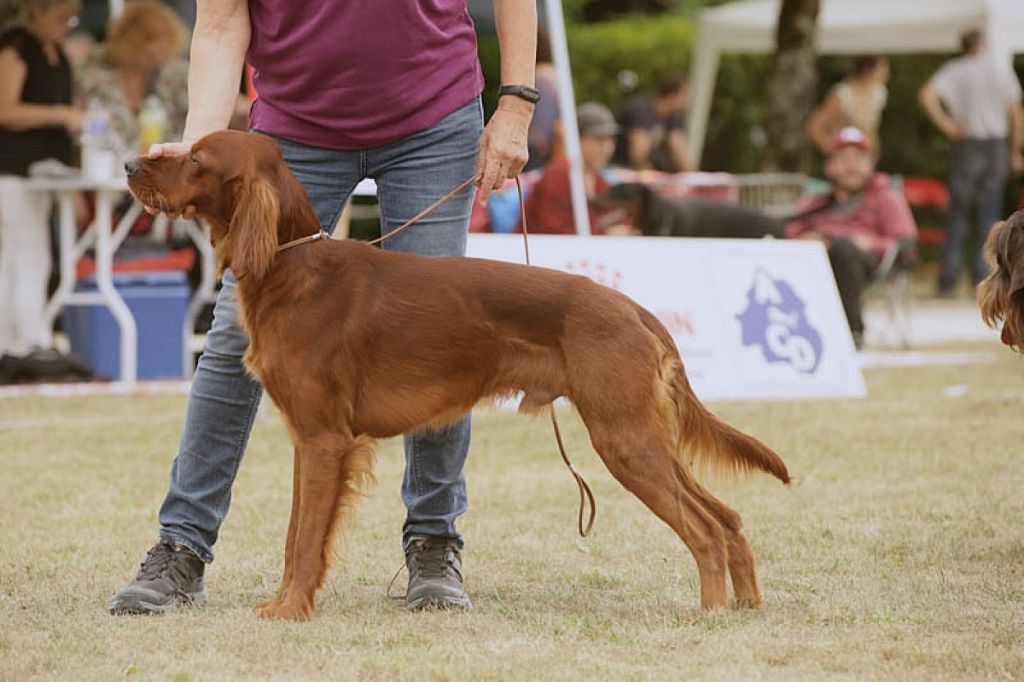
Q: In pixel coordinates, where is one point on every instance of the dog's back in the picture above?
(698, 217)
(658, 216)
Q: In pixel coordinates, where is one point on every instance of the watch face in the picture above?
(530, 94)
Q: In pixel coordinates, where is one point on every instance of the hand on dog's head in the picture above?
(1001, 294)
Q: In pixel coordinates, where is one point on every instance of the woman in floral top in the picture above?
(141, 57)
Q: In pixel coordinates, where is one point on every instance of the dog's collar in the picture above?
(322, 234)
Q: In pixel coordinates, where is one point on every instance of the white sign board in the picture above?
(752, 318)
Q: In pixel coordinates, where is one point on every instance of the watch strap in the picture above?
(531, 95)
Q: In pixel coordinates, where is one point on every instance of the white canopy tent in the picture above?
(847, 27)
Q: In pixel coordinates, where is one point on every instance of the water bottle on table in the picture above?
(99, 156)
(152, 122)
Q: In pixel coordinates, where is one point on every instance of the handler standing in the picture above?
(388, 90)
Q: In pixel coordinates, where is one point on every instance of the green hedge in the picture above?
(654, 47)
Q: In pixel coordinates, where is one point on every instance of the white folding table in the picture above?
(107, 238)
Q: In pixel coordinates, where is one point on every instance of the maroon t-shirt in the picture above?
(352, 74)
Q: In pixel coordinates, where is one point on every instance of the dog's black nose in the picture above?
(132, 167)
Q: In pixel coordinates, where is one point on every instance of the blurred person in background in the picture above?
(544, 139)
(349, 90)
(549, 202)
(140, 63)
(976, 103)
(858, 100)
(77, 46)
(37, 122)
(857, 220)
(652, 136)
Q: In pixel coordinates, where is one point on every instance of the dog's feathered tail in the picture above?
(705, 442)
(357, 480)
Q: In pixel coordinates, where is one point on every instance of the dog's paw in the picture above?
(288, 609)
(260, 606)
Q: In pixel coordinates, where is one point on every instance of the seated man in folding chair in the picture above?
(861, 220)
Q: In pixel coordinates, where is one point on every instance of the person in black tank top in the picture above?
(36, 116)
(36, 123)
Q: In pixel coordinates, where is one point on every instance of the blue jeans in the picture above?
(977, 173)
(410, 174)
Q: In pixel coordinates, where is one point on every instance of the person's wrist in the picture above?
(63, 115)
(516, 105)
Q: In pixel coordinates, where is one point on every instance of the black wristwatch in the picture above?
(531, 95)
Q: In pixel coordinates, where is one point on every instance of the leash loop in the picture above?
(586, 496)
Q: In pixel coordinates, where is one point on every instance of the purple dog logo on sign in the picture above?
(776, 321)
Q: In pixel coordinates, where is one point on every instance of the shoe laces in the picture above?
(432, 559)
(426, 559)
(161, 560)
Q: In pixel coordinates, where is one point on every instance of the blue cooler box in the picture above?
(158, 301)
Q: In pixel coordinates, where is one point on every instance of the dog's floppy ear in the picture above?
(254, 229)
(1015, 261)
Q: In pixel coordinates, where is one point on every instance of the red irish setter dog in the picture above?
(354, 344)
(1001, 294)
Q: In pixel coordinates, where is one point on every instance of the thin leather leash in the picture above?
(586, 496)
(323, 234)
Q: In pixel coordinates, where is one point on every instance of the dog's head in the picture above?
(1001, 294)
(629, 201)
(239, 183)
(627, 195)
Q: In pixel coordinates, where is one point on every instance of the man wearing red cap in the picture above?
(858, 219)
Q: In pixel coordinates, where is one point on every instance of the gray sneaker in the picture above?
(170, 575)
(435, 575)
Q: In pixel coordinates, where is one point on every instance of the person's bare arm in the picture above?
(677, 147)
(219, 43)
(928, 98)
(503, 146)
(17, 115)
(822, 122)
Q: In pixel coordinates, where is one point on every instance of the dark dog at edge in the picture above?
(355, 344)
(658, 216)
(1001, 294)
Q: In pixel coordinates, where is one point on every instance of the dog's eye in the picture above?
(193, 159)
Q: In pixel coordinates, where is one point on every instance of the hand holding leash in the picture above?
(503, 151)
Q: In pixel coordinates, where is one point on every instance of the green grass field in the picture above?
(897, 554)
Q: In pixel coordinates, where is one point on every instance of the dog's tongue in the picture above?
(1005, 336)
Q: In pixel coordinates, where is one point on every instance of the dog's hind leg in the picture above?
(742, 565)
(642, 460)
(319, 476)
(743, 570)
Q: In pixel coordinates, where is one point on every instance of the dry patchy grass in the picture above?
(897, 554)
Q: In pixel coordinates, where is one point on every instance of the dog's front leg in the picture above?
(289, 545)
(316, 491)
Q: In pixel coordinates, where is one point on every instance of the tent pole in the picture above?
(703, 73)
(567, 111)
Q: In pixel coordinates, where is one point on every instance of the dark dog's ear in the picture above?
(1006, 252)
(1016, 265)
(254, 230)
